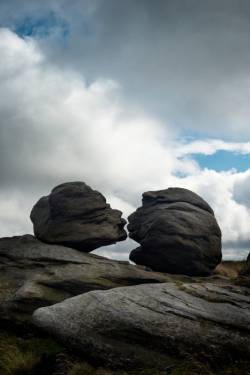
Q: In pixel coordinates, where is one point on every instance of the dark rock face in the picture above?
(248, 265)
(74, 215)
(133, 325)
(34, 274)
(177, 231)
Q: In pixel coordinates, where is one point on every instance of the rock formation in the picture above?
(177, 231)
(133, 325)
(34, 274)
(94, 305)
(76, 216)
(248, 265)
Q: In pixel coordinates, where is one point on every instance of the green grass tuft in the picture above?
(19, 356)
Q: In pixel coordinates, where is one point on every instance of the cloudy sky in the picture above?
(128, 96)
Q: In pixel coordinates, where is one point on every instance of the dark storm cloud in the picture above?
(185, 61)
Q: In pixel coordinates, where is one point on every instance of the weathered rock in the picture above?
(248, 265)
(177, 231)
(74, 215)
(34, 274)
(139, 324)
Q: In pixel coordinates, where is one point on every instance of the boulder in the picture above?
(139, 325)
(34, 274)
(248, 265)
(177, 231)
(76, 216)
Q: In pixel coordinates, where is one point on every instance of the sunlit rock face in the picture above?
(177, 231)
(77, 216)
(137, 325)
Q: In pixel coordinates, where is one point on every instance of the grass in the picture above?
(230, 269)
(19, 356)
(31, 355)
(16, 362)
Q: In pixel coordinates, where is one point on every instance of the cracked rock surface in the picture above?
(177, 231)
(77, 216)
(129, 325)
(34, 274)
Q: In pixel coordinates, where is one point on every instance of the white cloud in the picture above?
(17, 55)
(241, 192)
(217, 188)
(54, 128)
(211, 146)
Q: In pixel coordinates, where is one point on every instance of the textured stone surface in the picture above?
(130, 325)
(74, 215)
(34, 274)
(177, 231)
(248, 265)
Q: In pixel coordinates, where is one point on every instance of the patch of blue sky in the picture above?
(42, 26)
(223, 161)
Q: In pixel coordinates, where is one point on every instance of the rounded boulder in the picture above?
(177, 231)
(77, 216)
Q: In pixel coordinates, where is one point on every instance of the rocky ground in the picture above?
(34, 274)
(171, 324)
(180, 310)
(27, 354)
(140, 325)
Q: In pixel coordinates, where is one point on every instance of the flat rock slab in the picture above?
(132, 325)
(34, 274)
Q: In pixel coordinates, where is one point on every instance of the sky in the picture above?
(128, 96)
